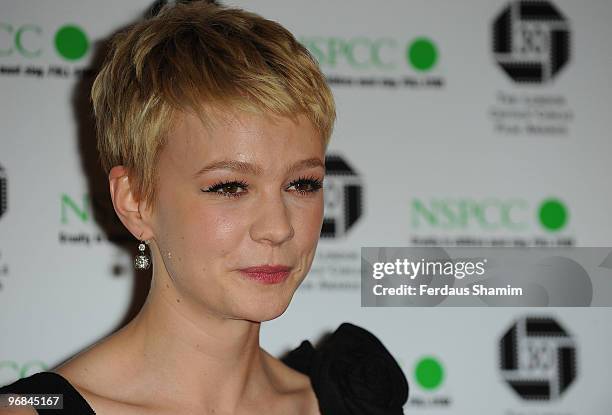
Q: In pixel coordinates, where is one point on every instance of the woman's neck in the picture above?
(192, 355)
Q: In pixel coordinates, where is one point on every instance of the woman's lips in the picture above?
(267, 274)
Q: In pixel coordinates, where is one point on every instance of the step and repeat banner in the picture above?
(460, 124)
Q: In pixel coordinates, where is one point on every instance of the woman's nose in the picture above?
(272, 220)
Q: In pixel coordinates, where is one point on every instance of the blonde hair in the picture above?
(195, 56)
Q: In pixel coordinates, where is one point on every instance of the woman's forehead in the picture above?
(247, 137)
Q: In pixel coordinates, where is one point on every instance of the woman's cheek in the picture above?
(311, 218)
(217, 227)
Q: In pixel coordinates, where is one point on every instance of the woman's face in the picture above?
(244, 192)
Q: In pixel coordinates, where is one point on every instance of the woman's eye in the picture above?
(227, 189)
(306, 185)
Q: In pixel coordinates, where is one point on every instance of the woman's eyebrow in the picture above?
(254, 169)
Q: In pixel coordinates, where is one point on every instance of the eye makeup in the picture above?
(312, 183)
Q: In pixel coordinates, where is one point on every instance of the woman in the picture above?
(213, 125)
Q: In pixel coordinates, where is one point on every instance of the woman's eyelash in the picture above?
(314, 183)
(221, 185)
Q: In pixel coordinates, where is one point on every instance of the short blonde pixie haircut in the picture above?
(196, 57)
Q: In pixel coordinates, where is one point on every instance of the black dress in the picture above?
(351, 372)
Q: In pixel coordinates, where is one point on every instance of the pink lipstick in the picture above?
(267, 274)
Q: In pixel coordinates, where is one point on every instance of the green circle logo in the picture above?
(422, 54)
(553, 214)
(429, 373)
(71, 42)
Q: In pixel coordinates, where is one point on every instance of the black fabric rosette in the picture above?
(352, 373)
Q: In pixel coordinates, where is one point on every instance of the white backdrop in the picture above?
(435, 144)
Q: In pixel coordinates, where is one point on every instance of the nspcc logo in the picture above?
(489, 214)
(363, 53)
(31, 41)
(378, 61)
(3, 192)
(538, 358)
(343, 197)
(531, 40)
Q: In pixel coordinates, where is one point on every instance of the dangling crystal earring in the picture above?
(142, 260)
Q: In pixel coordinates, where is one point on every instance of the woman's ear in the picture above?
(127, 207)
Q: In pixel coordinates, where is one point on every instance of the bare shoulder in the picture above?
(85, 370)
(100, 393)
(99, 374)
(18, 411)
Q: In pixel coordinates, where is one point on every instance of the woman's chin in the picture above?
(263, 311)
(260, 302)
